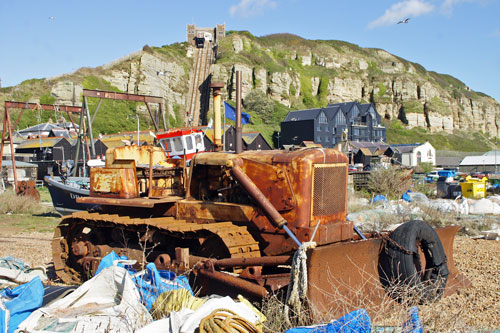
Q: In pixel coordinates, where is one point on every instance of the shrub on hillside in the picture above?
(258, 102)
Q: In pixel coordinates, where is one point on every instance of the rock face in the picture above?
(145, 74)
(67, 93)
(381, 78)
(289, 70)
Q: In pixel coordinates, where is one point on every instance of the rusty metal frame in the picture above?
(27, 106)
(101, 94)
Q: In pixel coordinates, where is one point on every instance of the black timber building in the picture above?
(361, 122)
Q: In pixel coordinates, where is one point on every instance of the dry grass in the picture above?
(11, 203)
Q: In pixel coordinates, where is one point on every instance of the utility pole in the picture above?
(495, 154)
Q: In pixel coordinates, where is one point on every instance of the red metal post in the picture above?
(3, 135)
(12, 155)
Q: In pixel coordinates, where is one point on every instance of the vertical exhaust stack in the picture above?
(238, 142)
(216, 91)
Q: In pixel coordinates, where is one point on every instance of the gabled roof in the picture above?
(406, 148)
(373, 146)
(448, 160)
(44, 127)
(346, 107)
(61, 132)
(249, 137)
(480, 160)
(310, 144)
(146, 136)
(301, 115)
(114, 143)
(39, 143)
(363, 108)
(367, 152)
(331, 110)
(209, 132)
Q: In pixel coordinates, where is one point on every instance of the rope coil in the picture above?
(223, 320)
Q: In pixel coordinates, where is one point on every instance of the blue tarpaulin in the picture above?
(356, 321)
(18, 303)
(378, 198)
(406, 196)
(413, 324)
(230, 113)
(151, 282)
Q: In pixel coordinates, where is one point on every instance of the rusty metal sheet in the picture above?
(456, 279)
(141, 154)
(273, 181)
(134, 202)
(344, 275)
(327, 233)
(111, 182)
(28, 188)
(214, 211)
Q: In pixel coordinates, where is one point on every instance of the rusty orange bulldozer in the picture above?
(235, 220)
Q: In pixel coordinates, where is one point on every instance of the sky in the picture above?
(46, 38)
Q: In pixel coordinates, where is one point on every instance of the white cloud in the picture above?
(247, 8)
(402, 10)
(447, 6)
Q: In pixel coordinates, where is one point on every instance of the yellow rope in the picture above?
(223, 320)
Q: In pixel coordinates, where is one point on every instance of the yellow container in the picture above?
(474, 188)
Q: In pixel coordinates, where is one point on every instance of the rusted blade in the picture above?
(456, 280)
(345, 276)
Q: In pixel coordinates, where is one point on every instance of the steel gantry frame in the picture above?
(101, 94)
(27, 106)
(84, 113)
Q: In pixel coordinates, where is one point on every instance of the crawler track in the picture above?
(82, 239)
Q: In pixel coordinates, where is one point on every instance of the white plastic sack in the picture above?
(449, 206)
(17, 272)
(417, 197)
(187, 320)
(484, 206)
(109, 302)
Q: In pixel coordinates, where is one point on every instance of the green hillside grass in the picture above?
(455, 141)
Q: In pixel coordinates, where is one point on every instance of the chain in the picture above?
(386, 239)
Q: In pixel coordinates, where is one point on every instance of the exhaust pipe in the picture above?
(216, 91)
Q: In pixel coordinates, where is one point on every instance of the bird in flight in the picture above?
(404, 21)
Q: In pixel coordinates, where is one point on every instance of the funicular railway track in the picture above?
(199, 90)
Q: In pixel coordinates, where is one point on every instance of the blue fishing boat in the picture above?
(65, 191)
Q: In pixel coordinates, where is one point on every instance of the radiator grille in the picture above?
(329, 189)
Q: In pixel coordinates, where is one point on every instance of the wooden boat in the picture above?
(64, 192)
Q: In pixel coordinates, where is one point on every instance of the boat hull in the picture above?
(64, 195)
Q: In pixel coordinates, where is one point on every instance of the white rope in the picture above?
(297, 289)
